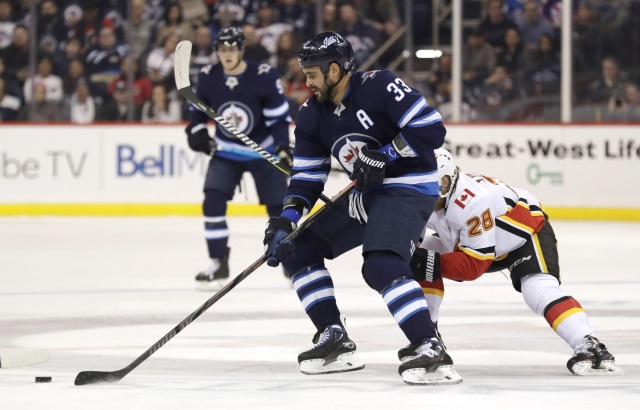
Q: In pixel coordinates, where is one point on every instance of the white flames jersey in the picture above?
(484, 220)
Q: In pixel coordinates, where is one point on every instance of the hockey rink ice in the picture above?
(98, 292)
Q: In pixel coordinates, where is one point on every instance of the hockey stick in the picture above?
(89, 377)
(24, 358)
(183, 84)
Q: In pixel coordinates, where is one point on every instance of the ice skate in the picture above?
(591, 358)
(333, 352)
(409, 352)
(215, 276)
(432, 366)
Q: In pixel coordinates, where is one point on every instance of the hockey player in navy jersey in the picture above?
(250, 96)
(383, 133)
(484, 225)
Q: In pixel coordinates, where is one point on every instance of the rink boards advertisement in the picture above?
(585, 172)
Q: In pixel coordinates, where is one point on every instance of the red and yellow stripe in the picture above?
(561, 309)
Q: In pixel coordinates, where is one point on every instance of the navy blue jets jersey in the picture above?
(380, 111)
(253, 102)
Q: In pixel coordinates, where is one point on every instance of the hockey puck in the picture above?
(43, 379)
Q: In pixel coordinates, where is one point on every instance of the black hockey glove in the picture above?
(200, 141)
(369, 168)
(276, 249)
(285, 154)
(425, 265)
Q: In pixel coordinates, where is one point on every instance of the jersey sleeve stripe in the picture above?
(484, 254)
(302, 163)
(412, 112)
(306, 176)
(276, 112)
(426, 120)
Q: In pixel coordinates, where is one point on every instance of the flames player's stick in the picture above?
(90, 377)
(183, 84)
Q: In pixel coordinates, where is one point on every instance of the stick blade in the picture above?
(181, 64)
(91, 377)
(25, 358)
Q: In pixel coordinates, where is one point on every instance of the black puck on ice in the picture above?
(43, 379)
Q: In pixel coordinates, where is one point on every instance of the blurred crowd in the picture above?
(113, 60)
(512, 62)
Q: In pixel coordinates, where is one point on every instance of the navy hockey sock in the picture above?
(315, 290)
(216, 232)
(388, 274)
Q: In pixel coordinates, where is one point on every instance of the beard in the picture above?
(326, 92)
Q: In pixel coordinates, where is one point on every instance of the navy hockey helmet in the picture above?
(230, 36)
(324, 49)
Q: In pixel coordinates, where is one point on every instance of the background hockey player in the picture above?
(383, 133)
(483, 225)
(250, 96)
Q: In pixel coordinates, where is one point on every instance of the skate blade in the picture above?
(214, 285)
(442, 375)
(607, 368)
(347, 362)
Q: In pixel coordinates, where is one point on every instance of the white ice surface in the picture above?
(98, 292)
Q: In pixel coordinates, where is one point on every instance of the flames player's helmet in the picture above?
(324, 49)
(230, 36)
(446, 167)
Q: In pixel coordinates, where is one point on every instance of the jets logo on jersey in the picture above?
(231, 82)
(348, 147)
(239, 115)
(463, 199)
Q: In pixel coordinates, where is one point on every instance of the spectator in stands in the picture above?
(51, 27)
(202, 53)
(329, 16)
(627, 108)
(288, 47)
(138, 31)
(496, 94)
(73, 74)
(90, 24)
(45, 76)
(161, 60)
(71, 51)
(11, 85)
(586, 37)
(103, 60)
(16, 56)
(253, 50)
(269, 31)
(141, 84)
(533, 25)
(512, 57)
(384, 16)
(478, 58)
(173, 24)
(298, 15)
(82, 108)
(160, 108)
(608, 86)
(194, 13)
(72, 20)
(495, 25)
(9, 104)
(40, 110)
(7, 24)
(364, 38)
(117, 108)
(543, 76)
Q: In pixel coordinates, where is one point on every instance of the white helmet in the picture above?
(447, 167)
